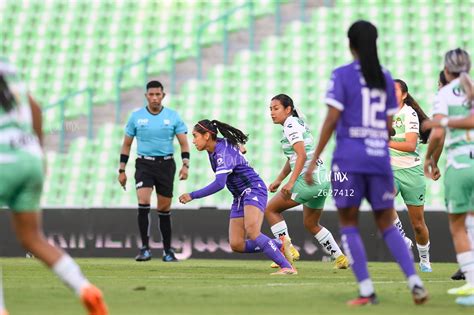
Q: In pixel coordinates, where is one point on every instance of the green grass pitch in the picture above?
(221, 287)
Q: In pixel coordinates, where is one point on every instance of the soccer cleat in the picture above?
(419, 294)
(169, 256)
(3, 312)
(425, 267)
(294, 253)
(364, 300)
(465, 300)
(341, 262)
(466, 289)
(285, 249)
(144, 255)
(93, 300)
(285, 272)
(458, 275)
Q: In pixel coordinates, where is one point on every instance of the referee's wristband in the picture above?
(185, 156)
(123, 158)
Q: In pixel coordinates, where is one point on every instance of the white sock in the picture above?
(2, 303)
(470, 229)
(466, 262)
(328, 243)
(414, 280)
(398, 224)
(280, 229)
(424, 252)
(366, 287)
(69, 272)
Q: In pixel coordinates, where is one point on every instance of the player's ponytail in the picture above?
(410, 101)
(458, 64)
(286, 101)
(363, 40)
(232, 134)
(7, 100)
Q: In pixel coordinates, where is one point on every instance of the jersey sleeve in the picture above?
(440, 107)
(392, 106)
(130, 128)
(293, 131)
(335, 92)
(411, 122)
(180, 127)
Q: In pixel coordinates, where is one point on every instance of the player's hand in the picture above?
(183, 173)
(308, 176)
(274, 186)
(429, 124)
(122, 178)
(286, 190)
(185, 198)
(436, 173)
(429, 168)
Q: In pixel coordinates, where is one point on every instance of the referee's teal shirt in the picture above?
(155, 132)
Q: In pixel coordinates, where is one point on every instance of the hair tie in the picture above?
(208, 130)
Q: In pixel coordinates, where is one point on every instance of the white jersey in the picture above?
(459, 143)
(405, 121)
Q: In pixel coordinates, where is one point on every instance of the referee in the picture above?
(154, 126)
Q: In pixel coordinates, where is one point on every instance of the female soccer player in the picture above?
(408, 170)
(21, 162)
(361, 101)
(456, 100)
(249, 191)
(298, 147)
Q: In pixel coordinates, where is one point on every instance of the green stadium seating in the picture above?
(413, 37)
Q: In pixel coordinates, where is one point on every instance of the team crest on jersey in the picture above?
(398, 122)
(166, 122)
(220, 161)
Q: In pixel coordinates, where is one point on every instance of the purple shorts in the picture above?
(255, 196)
(350, 188)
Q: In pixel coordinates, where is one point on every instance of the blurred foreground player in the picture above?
(21, 161)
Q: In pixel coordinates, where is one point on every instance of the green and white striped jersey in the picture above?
(404, 121)
(16, 128)
(459, 143)
(296, 130)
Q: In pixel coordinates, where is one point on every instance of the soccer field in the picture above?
(221, 287)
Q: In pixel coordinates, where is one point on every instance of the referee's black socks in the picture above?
(165, 228)
(144, 223)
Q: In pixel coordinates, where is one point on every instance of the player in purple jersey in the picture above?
(361, 101)
(249, 191)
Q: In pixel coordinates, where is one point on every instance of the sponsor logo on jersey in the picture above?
(142, 121)
(255, 198)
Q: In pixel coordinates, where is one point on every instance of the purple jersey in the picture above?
(227, 159)
(361, 133)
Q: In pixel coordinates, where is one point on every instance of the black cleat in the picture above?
(144, 255)
(169, 256)
(458, 275)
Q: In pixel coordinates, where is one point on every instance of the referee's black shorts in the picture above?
(159, 173)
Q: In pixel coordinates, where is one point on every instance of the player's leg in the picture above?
(398, 176)
(422, 236)
(164, 177)
(144, 220)
(144, 188)
(3, 309)
(380, 196)
(324, 237)
(253, 218)
(27, 226)
(274, 217)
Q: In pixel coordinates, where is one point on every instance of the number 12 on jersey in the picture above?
(373, 102)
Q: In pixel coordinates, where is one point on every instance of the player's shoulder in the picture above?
(291, 122)
(409, 111)
(345, 68)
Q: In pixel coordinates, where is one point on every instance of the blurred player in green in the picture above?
(456, 100)
(21, 163)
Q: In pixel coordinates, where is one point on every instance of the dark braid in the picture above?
(7, 100)
(232, 134)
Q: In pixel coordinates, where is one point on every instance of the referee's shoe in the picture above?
(169, 256)
(144, 255)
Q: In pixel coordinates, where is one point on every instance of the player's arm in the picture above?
(285, 171)
(185, 156)
(124, 155)
(462, 123)
(37, 118)
(436, 140)
(299, 164)
(217, 185)
(409, 145)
